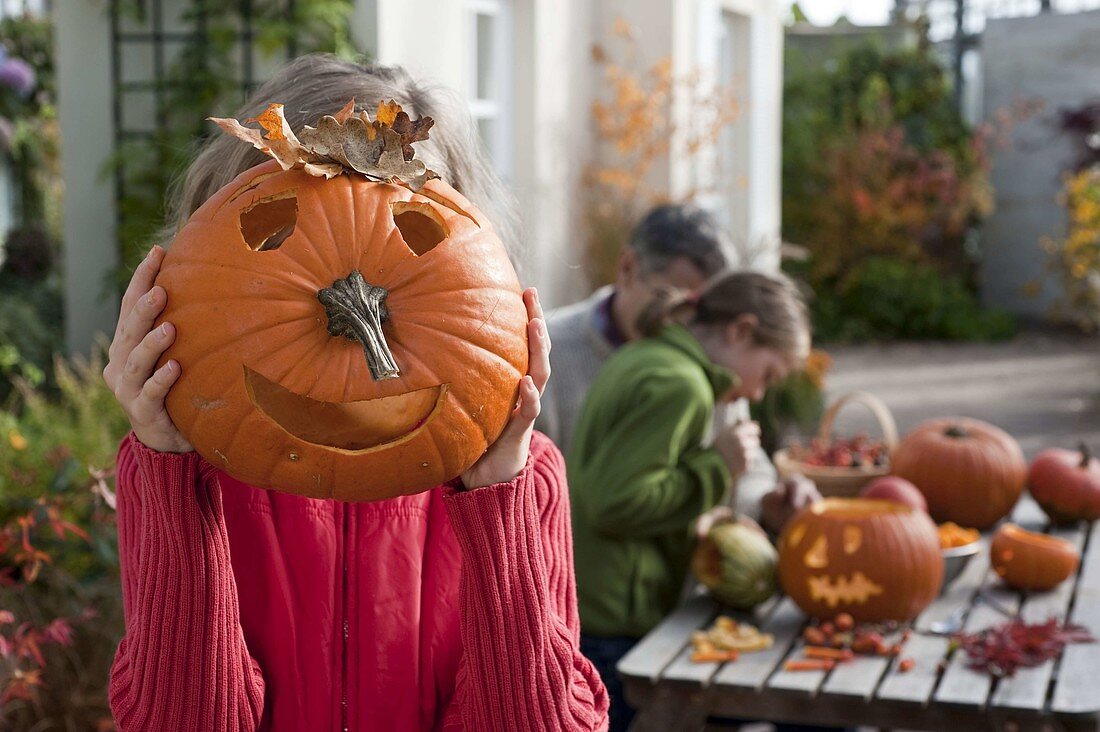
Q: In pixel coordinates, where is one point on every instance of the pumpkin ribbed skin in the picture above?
(876, 560)
(1066, 483)
(1030, 561)
(456, 328)
(971, 472)
(737, 564)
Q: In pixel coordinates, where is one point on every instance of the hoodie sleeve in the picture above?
(522, 668)
(182, 664)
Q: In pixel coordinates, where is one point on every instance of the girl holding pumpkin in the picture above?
(640, 472)
(249, 609)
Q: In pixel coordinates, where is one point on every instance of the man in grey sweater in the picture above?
(675, 247)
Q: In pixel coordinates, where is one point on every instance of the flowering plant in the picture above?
(1076, 257)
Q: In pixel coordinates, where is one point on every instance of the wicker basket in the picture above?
(837, 481)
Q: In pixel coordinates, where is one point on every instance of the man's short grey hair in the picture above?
(671, 231)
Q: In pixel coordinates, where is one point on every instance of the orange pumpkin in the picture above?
(1030, 561)
(971, 472)
(342, 338)
(1066, 484)
(876, 560)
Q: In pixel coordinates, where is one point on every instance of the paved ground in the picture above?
(1043, 388)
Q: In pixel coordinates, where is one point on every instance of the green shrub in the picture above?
(888, 299)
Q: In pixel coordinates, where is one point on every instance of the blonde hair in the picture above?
(783, 323)
(318, 84)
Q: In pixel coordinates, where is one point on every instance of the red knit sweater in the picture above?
(254, 610)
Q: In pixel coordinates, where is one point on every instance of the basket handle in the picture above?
(872, 402)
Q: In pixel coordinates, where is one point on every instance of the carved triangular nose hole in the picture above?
(421, 226)
(266, 224)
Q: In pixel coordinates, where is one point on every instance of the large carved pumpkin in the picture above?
(342, 338)
(971, 472)
(877, 560)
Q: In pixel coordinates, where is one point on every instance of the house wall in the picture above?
(553, 80)
(553, 84)
(1053, 58)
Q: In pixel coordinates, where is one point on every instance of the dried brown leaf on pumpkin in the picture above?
(380, 149)
(349, 144)
(279, 142)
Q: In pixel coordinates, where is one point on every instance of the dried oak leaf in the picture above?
(349, 144)
(380, 149)
(279, 141)
(410, 132)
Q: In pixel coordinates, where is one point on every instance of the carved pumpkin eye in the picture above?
(818, 555)
(267, 223)
(853, 538)
(421, 226)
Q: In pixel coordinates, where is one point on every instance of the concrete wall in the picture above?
(1054, 58)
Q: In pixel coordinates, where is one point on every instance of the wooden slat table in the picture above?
(672, 694)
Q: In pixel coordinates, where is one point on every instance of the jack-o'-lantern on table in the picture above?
(875, 560)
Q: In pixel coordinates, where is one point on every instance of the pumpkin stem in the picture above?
(955, 431)
(1086, 454)
(356, 310)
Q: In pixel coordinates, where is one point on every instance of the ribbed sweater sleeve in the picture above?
(182, 664)
(522, 668)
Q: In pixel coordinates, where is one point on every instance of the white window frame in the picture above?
(498, 107)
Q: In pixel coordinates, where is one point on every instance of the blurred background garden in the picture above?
(929, 170)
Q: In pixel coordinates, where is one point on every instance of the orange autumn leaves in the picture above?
(380, 149)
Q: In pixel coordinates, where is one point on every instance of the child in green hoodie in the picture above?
(640, 471)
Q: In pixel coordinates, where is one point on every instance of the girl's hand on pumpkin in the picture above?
(131, 371)
(785, 500)
(506, 457)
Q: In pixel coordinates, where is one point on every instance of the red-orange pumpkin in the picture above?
(893, 488)
(1066, 484)
(342, 338)
(876, 560)
(971, 472)
(1030, 561)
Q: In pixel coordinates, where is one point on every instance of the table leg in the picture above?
(670, 710)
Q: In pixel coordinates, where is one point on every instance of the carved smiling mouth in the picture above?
(359, 425)
(836, 590)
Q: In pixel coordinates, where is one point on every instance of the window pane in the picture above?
(485, 41)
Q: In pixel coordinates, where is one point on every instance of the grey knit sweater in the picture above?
(578, 352)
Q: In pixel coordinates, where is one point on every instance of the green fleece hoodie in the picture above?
(639, 476)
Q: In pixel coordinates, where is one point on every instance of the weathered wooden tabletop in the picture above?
(940, 693)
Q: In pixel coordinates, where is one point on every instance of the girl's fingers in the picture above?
(531, 300)
(140, 283)
(523, 417)
(137, 324)
(538, 363)
(142, 360)
(149, 404)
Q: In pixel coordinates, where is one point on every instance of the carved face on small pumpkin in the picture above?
(342, 338)
(876, 560)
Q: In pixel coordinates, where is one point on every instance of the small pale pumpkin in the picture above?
(876, 560)
(737, 564)
(1030, 561)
